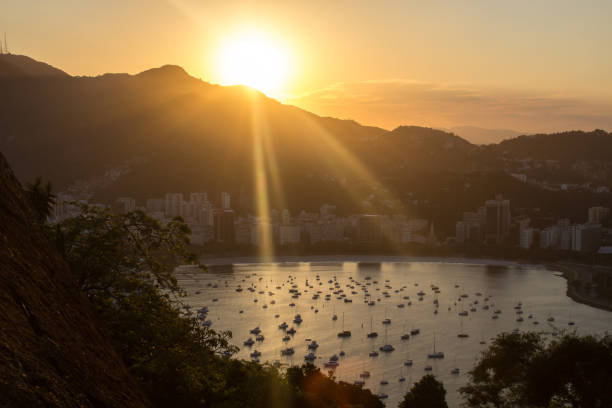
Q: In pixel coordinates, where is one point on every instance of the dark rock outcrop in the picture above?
(51, 351)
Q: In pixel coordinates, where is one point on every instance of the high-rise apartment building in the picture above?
(174, 205)
(497, 220)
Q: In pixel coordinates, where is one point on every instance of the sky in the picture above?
(526, 65)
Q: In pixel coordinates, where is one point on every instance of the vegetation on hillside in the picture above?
(522, 370)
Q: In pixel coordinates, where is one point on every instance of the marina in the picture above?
(461, 307)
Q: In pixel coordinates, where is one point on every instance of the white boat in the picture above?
(255, 354)
(249, 342)
(313, 345)
(297, 319)
(283, 326)
(260, 337)
(256, 330)
(365, 374)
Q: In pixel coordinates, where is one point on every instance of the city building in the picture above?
(497, 220)
(369, 229)
(174, 205)
(223, 226)
(597, 214)
(155, 205)
(586, 237)
(125, 205)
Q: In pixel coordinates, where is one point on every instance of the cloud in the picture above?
(393, 102)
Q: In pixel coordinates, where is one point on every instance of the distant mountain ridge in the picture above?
(163, 130)
(13, 65)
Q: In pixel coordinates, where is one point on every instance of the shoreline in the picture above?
(572, 272)
(253, 259)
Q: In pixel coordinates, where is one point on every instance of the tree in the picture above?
(41, 198)
(428, 392)
(519, 370)
(124, 264)
(573, 371)
(499, 377)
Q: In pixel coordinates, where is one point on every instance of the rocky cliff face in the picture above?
(51, 351)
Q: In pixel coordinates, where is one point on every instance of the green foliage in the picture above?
(124, 264)
(519, 370)
(573, 371)
(499, 377)
(41, 198)
(427, 392)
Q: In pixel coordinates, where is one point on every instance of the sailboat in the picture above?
(387, 348)
(408, 362)
(435, 354)
(335, 316)
(401, 377)
(455, 371)
(462, 334)
(387, 320)
(405, 336)
(344, 333)
(570, 322)
(372, 333)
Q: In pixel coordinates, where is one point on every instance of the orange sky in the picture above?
(525, 65)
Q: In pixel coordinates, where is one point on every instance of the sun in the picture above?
(252, 59)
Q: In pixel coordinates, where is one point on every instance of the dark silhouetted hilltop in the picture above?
(12, 65)
(163, 130)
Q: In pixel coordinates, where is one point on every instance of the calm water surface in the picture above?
(541, 292)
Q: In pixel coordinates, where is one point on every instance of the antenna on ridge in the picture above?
(6, 50)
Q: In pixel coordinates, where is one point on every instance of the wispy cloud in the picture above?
(393, 102)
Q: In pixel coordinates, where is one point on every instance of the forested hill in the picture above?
(163, 130)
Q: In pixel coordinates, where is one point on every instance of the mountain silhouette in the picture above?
(12, 65)
(163, 130)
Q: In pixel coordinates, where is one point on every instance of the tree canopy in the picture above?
(427, 392)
